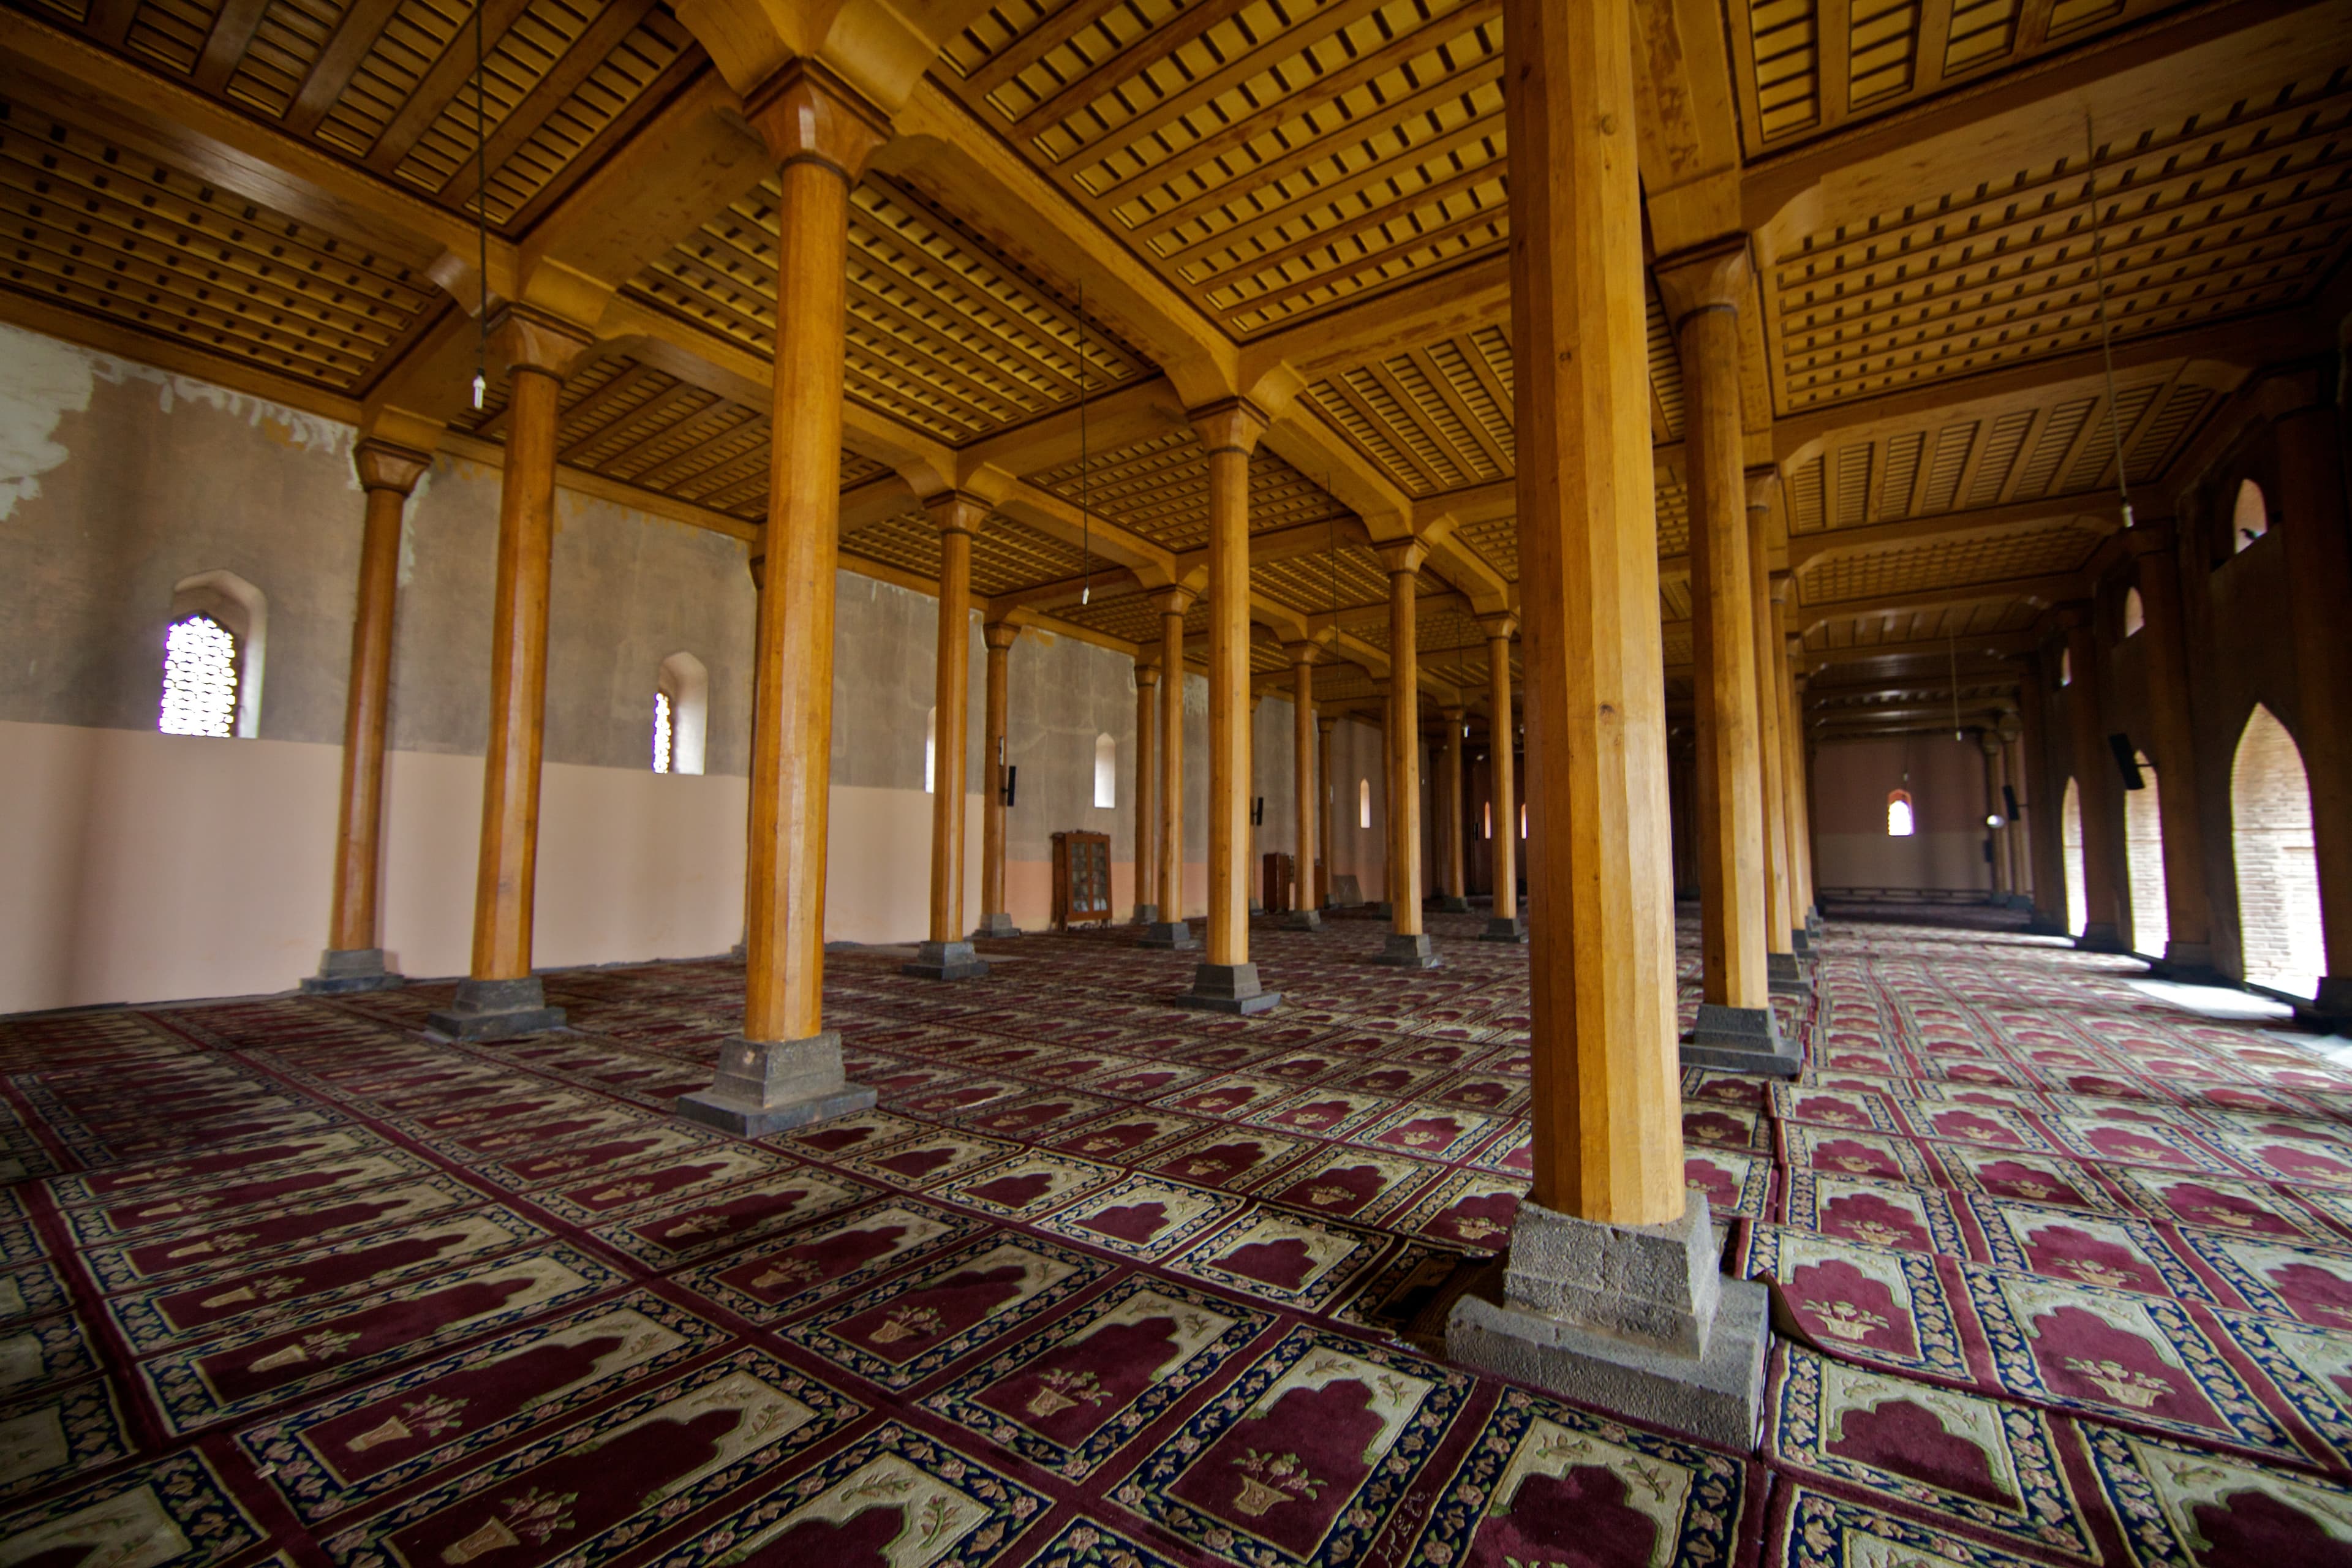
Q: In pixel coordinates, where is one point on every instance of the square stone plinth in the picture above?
(773, 1086)
(1501, 930)
(1407, 951)
(1169, 936)
(1785, 976)
(497, 1010)
(1229, 988)
(1302, 920)
(946, 961)
(1741, 1039)
(342, 971)
(997, 925)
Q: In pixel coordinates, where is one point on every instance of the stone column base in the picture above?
(1784, 977)
(2188, 964)
(1407, 951)
(1502, 928)
(497, 1010)
(2045, 924)
(946, 961)
(348, 969)
(2331, 1008)
(1169, 936)
(1147, 914)
(1302, 920)
(1450, 905)
(771, 1086)
(2101, 938)
(1229, 988)
(1740, 1039)
(1635, 1318)
(1385, 909)
(2019, 902)
(1800, 942)
(1256, 908)
(999, 924)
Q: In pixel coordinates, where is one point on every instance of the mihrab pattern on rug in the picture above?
(1104, 1284)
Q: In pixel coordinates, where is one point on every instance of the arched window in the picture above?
(2134, 616)
(1899, 823)
(930, 748)
(1363, 802)
(1489, 811)
(2065, 667)
(2281, 933)
(681, 714)
(1523, 821)
(2070, 826)
(1106, 773)
(213, 646)
(2144, 863)
(199, 678)
(2251, 517)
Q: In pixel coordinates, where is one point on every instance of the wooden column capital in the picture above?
(804, 113)
(1146, 674)
(1452, 715)
(1763, 485)
(523, 337)
(1779, 585)
(1711, 277)
(383, 466)
(1327, 723)
(2147, 537)
(957, 512)
(1499, 628)
(999, 636)
(1404, 558)
(1302, 654)
(1235, 425)
(1172, 601)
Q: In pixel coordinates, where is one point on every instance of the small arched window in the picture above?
(1490, 819)
(2135, 615)
(1106, 773)
(681, 714)
(931, 749)
(2251, 518)
(1898, 814)
(213, 646)
(1363, 802)
(2065, 667)
(1523, 821)
(199, 678)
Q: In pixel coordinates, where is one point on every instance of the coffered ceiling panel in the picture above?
(1270, 160)
(89, 227)
(1160, 488)
(1948, 563)
(1937, 629)
(2237, 209)
(943, 334)
(1315, 585)
(1006, 555)
(389, 85)
(1806, 67)
(1132, 617)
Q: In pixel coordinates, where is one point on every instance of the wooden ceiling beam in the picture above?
(1806, 549)
(338, 60)
(225, 45)
(596, 44)
(2044, 590)
(441, 82)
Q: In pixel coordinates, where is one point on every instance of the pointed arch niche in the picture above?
(2144, 864)
(2071, 835)
(2280, 938)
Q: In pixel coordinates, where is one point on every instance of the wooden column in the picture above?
(786, 1070)
(1453, 853)
(353, 959)
(1407, 946)
(2188, 912)
(2096, 787)
(500, 996)
(1332, 803)
(1171, 930)
(1785, 652)
(1996, 864)
(1147, 783)
(2044, 813)
(1607, 1243)
(947, 954)
(995, 919)
(1307, 780)
(1503, 923)
(1703, 294)
(2310, 504)
(2017, 834)
(1227, 982)
(1780, 904)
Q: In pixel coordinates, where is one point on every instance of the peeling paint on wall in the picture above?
(46, 381)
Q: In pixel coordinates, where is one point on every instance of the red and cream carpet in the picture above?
(2065, 1272)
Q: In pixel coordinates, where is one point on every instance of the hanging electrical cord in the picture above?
(1085, 518)
(2099, 281)
(1952, 656)
(1333, 522)
(482, 220)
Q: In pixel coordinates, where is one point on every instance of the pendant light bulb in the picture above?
(481, 386)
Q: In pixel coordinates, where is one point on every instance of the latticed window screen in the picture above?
(665, 733)
(199, 678)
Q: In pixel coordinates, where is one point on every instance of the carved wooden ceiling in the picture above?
(387, 85)
(1270, 161)
(1273, 163)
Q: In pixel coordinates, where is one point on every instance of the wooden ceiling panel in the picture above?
(2240, 209)
(1270, 161)
(1131, 618)
(1948, 563)
(1159, 489)
(104, 233)
(1314, 585)
(943, 333)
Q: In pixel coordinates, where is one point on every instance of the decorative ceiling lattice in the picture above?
(1948, 563)
(1159, 489)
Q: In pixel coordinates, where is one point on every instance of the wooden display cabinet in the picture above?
(1081, 880)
